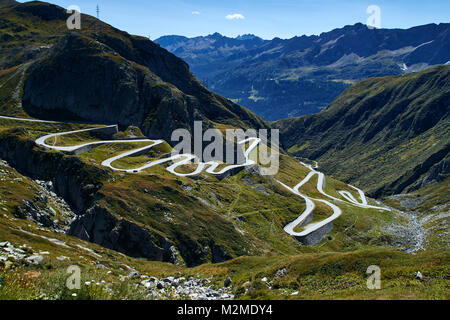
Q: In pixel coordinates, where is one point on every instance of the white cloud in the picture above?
(235, 16)
(196, 12)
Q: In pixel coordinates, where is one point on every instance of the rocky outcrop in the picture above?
(99, 226)
(437, 173)
(316, 236)
(74, 180)
(43, 207)
(182, 288)
(31, 211)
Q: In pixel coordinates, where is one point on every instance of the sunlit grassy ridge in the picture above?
(38, 129)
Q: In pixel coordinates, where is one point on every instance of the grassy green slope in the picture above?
(381, 134)
(318, 274)
(243, 214)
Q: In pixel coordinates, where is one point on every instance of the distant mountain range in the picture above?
(284, 78)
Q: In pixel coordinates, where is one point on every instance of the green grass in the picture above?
(11, 82)
(39, 129)
(152, 154)
(73, 139)
(338, 275)
(231, 214)
(322, 275)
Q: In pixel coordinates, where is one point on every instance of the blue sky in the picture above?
(265, 18)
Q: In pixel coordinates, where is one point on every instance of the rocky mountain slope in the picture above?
(284, 78)
(388, 135)
(132, 81)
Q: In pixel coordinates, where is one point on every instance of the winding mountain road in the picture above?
(179, 159)
(310, 205)
(211, 167)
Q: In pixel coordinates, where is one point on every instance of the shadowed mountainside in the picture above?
(383, 134)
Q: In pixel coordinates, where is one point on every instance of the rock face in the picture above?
(72, 179)
(316, 237)
(227, 282)
(42, 209)
(114, 91)
(182, 288)
(437, 173)
(99, 226)
(30, 210)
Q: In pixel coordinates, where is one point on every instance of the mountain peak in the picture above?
(248, 36)
(216, 35)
